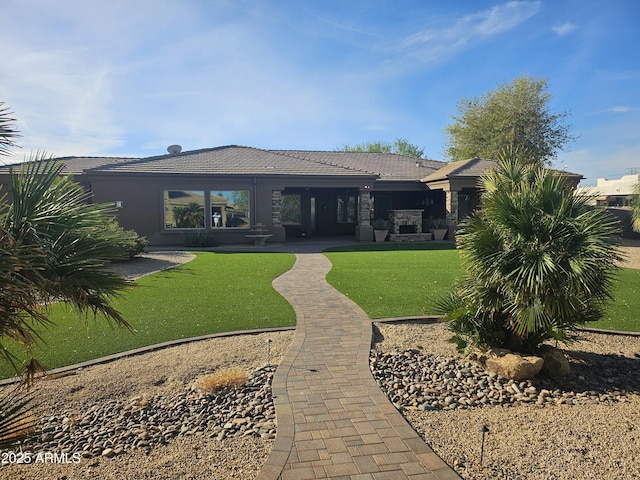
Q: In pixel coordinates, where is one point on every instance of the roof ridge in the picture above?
(140, 160)
(70, 157)
(287, 153)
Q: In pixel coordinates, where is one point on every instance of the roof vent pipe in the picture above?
(174, 149)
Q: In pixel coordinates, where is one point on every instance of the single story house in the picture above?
(229, 191)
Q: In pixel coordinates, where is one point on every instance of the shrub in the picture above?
(130, 243)
(198, 239)
(539, 261)
(381, 224)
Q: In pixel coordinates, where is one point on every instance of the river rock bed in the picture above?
(113, 427)
(578, 438)
(414, 380)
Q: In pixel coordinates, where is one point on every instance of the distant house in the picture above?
(612, 193)
(227, 191)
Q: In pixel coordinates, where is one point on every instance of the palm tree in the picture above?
(54, 245)
(539, 260)
(7, 130)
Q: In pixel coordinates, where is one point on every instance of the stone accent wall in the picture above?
(410, 237)
(364, 208)
(276, 208)
(400, 218)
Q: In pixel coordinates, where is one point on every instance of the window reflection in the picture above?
(184, 209)
(230, 209)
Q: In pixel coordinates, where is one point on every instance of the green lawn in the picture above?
(623, 313)
(216, 292)
(390, 280)
(220, 292)
(395, 280)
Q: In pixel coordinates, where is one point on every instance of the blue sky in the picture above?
(129, 78)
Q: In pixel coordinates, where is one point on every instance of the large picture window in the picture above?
(183, 209)
(230, 209)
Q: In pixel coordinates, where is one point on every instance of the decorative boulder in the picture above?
(514, 366)
(555, 363)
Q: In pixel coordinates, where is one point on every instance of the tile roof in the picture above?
(75, 165)
(239, 160)
(387, 166)
(233, 160)
(474, 167)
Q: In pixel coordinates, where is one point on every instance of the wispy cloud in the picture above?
(434, 43)
(60, 81)
(615, 110)
(612, 161)
(564, 29)
(619, 109)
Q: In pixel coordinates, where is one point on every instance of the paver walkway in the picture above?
(333, 419)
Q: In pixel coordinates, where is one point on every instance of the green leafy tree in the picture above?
(539, 260)
(400, 146)
(515, 115)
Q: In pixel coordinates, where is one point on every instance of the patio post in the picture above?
(277, 229)
(451, 204)
(364, 230)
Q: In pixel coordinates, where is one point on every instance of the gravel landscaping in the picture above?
(142, 417)
(586, 426)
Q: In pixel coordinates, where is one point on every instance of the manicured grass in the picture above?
(220, 292)
(215, 292)
(389, 280)
(623, 313)
(395, 280)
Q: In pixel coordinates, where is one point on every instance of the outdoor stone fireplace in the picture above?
(406, 226)
(405, 221)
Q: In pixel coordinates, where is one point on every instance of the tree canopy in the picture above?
(515, 115)
(400, 146)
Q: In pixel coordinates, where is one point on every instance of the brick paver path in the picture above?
(333, 419)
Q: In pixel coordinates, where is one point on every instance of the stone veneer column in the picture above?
(277, 229)
(364, 208)
(364, 230)
(451, 204)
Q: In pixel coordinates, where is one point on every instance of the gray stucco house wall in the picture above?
(227, 192)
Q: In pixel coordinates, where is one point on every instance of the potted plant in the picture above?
(380, 229)
(438, 228)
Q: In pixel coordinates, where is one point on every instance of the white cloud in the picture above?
(610, 162)
(564, 29)
(614, 109)
(619, 109)
(61, 100)
(435, 43)
(124, 86)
